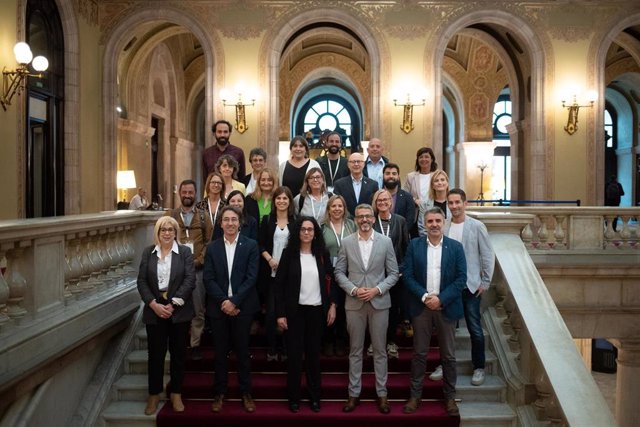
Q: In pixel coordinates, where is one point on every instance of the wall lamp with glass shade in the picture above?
(14, 81)
(574, 108)
(241, 93)
(407, 113)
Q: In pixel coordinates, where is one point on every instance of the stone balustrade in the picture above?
(555, 228)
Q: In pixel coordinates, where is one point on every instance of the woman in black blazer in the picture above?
(166, 280)
(304, 305)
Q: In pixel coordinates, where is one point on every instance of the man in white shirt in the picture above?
(366, 270)
(139, 201)
(374, 165)
(480, 264)
(435, 274)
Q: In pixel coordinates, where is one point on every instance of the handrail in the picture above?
(548, 356)
(509, 202)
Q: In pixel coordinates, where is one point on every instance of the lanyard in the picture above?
(382, 228)
(338, 239)
(333, 174)
(313, 206)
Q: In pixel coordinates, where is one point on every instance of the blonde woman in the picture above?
(166, 279)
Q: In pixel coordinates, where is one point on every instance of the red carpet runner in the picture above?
(269, 392)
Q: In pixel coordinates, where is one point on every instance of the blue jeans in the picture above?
(474, 326)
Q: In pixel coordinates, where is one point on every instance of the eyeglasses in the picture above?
(364, 216)
(306, 229)
(217, 183)
(383, 200)
(315, 178)
(356, 162)
(167, 230)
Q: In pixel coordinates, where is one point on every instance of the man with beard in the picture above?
(333, 165)
(366, 270)
(193, 229)
(221, 130)
(402, 203)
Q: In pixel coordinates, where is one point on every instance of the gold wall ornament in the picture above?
(241, 116)
(574, 108)
(407, 113)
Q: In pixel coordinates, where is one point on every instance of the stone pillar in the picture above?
(628, 382)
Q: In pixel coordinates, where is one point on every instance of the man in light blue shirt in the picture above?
(375, 162)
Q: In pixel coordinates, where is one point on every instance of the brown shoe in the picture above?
(351, 404)
(383, 405)
(176, 402)
(248, 403)
(152, 404)
(451, 407)
(216, 406)
(411, 406)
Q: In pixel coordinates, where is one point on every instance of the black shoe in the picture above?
(294, 406)
(315, 405)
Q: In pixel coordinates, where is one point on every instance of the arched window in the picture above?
(329, 112)
(501, 178)
(609, 130)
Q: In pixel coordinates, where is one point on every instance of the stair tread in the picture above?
(485, 410)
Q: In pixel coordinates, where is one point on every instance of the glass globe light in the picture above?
(40, 63)
(22, 52)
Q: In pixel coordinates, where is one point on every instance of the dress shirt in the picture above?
(309, 281)
(434, 258)
(456, 230)
(251, 186)
(164, 270)
(374, 170)
(365, 248)
(230, 249)
(357, 186)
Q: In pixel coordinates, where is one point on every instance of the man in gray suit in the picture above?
(366, 269)
(480, 264)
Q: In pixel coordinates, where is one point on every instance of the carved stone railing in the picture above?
(558, 228)
(547, 380)
(65, 278)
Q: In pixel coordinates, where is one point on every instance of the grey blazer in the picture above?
(478, 252)
(382, 271)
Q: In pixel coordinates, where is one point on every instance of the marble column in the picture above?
(628, 382)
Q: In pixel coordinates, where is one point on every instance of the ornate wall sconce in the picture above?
(241, 118)
(574, 108)
(407, 114)
(14, 81)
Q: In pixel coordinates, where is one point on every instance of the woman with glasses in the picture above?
(395, 227)
(292, 172)
(228, 167)
(303, 288)
(166, 279)
(313, 197)
(212, 204)
(337, 225)
(258, 203)
(273, 238)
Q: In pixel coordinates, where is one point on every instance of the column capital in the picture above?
(628, 351)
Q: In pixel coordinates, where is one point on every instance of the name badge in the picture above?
(334, 260)
(330, 188)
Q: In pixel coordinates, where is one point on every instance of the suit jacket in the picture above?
(405, 207)
(244, 275)
(399, 235)
(197, 232)
(381, 271)
(287, 283)
(182, 282)
(344, 187)
(478, 252)
(342, 171)
(453, 276)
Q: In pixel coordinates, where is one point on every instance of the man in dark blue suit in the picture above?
(355, 188)
(435, 274)
(230, 274)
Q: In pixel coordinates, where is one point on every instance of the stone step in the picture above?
(486, 414)
(132, 387)
(128, 414)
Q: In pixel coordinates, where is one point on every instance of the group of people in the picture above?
(319, 260)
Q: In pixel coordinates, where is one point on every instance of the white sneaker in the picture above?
(370, 350)
(392, 350)
(478, 377)
(437, 374)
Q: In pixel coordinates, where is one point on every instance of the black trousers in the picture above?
(175, 336)
(232, 332)
(304, 336)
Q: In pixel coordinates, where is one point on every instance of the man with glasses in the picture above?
(366, 270)
(355, 188)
